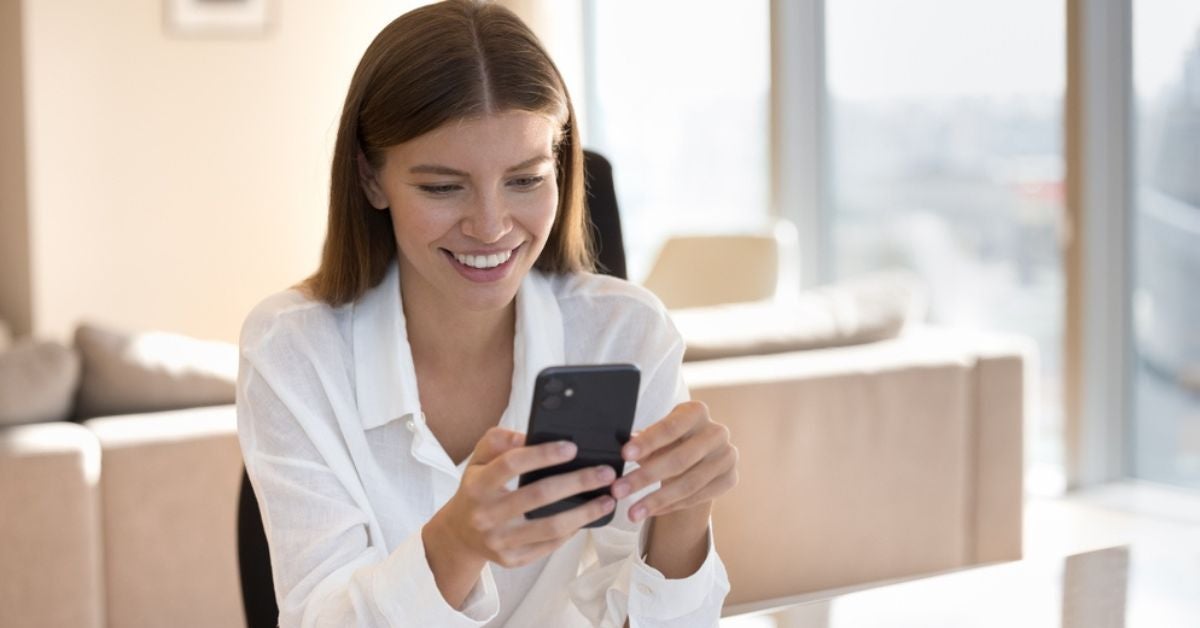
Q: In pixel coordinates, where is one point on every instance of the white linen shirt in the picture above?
(347, 472)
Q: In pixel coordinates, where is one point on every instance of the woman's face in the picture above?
(472, 203)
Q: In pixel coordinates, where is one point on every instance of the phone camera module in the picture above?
(552, 402)
(554, 386)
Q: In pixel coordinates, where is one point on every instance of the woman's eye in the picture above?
(438, 190)
(527, 182)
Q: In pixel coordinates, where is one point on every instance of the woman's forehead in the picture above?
(514, 136)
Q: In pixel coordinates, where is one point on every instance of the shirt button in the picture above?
(645, 589)
(412, 427)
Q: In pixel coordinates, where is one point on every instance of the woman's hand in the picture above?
(488, 520)
(689, 453)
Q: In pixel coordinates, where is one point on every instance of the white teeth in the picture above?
(483, 261)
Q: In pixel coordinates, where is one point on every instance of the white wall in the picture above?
(15, 305)
(173, 183)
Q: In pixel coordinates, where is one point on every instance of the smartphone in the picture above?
(592, 406)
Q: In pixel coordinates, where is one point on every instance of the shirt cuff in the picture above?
(407, 579)
(654, 596)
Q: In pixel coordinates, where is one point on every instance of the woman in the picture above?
(382, 404)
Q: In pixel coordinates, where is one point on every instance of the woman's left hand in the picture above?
(689, 453)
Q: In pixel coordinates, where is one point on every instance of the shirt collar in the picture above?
(385, 380)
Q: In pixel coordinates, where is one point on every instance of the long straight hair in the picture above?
(436, 64)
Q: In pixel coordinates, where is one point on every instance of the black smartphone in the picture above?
(592, 406)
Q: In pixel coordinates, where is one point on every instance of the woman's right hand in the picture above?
(487, 520)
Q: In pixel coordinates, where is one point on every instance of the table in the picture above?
(1111, 587)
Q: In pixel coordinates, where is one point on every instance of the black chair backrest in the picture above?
(254, 558)
(605, 219)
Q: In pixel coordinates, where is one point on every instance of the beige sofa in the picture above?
(121, 521)
(858, 463)
(869, 462)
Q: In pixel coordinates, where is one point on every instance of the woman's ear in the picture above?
(370, 183)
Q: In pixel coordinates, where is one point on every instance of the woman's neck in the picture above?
(444, 337)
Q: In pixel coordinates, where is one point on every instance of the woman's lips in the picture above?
(484, 275)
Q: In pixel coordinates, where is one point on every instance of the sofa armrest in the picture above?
(867, 462)
(1006, 375)
(51, 574)
(170, 482)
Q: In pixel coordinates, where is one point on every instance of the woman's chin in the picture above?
(494, 301)
(488, 297)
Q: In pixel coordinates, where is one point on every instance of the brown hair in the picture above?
(438, 63)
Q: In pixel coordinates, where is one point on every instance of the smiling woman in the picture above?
(423, 71)
(458, 205)
(383, 402)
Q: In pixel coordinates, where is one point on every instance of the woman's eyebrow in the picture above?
(529, 162)
(446, 170)
(435, 169)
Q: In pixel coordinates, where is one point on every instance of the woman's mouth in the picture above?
(483, 262)
(483, 268)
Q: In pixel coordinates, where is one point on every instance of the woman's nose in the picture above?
(487, 222)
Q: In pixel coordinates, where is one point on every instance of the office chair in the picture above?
(254, 558)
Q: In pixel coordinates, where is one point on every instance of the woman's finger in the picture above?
(673, 461)
(512, 463)
(561, 525)
(718, 487)
(682, 419)
(719, 462)
(549, 490)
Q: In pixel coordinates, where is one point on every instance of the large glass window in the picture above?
(678, 102)
(1166, 287)
(945, 123)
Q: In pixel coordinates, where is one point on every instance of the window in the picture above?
(945, 137)
(677, 101)
(1165, 430)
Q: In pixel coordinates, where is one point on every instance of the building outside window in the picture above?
(1165, 428)
(946, 150)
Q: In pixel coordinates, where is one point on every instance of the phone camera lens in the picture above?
(553, 386)
(552, 402)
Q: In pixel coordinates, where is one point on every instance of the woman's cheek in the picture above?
(540, 212)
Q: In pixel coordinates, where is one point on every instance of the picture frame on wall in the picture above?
(217, 18)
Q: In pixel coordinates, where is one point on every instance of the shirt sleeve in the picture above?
(327, 560)
(619, 583)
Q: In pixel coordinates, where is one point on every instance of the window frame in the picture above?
(1100, 157)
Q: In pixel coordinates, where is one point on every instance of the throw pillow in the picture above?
(37, 382)
(865, 309)
(126, 373)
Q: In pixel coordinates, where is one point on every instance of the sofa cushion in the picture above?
(868, 308)
(37, 382)
(126, 373)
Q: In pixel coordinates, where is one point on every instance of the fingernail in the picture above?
(631, 452)
(637, 513)
(620, 489)
(566, 448)
(605, 474)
